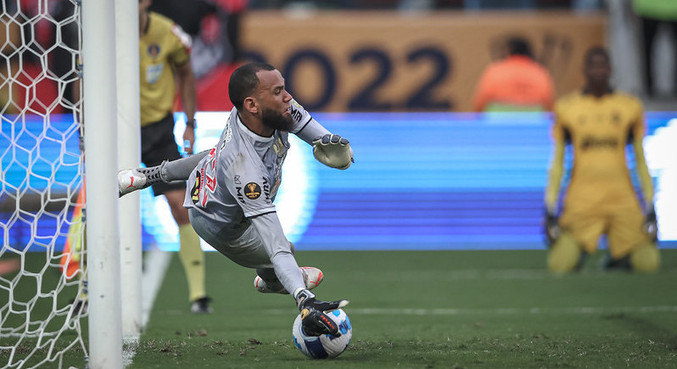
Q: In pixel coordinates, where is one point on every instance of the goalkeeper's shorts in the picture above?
(244, 245)
(624, 229)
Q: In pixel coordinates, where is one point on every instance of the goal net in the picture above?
(42, 279)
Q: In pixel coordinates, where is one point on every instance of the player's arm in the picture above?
(553, 186)
(645, 180)
(314, 319)
(279, 250)
(186, 84)
(555, 173)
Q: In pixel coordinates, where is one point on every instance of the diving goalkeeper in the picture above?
(231, 188)
(599, 123)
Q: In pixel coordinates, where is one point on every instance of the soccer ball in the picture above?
(324, 346)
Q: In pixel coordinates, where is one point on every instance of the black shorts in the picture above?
(158, 144)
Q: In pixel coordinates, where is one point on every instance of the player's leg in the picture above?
(564, 255)
(190, 253)
(130, 180)
(158, 144)
(580, 234)
(629, 243)
(266, 280)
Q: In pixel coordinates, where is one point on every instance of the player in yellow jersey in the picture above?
(164, 54)
(599, 123)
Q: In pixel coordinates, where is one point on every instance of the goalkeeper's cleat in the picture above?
(622, 264)
(312, 277)
(201, 306)
(130, 180)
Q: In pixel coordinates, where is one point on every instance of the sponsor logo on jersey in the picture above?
(239, 194)
(195, 192)
(153, 73)
(228, 135)
(266, 189)
(295, 114)
(590, 142)
(252, 190)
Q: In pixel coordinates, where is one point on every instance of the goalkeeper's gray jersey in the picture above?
(240, 176)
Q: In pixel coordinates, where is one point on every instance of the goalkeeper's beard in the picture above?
(275, 120)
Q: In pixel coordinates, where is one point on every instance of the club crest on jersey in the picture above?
(153, 50)
(252, 190)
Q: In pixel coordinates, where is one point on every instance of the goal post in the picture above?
(100, 119)
(129, 156)
(58, 70)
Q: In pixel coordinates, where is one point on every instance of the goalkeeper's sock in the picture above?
(193, 261)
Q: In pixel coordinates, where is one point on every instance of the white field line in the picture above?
(155, 267)
(584, 310)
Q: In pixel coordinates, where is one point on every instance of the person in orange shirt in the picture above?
(516, 83)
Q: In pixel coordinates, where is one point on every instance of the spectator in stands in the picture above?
(164, 54)
(516, 83)
(599, 123)
(653, 14)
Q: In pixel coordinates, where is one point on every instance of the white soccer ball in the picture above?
(324, 346)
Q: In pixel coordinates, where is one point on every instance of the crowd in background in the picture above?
(215, 27)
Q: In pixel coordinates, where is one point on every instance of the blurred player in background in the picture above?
(233, 186)
(599, 123)
(164, 54)
(516, 83)
(653, 14)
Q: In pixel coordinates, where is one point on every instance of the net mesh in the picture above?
(42, 279)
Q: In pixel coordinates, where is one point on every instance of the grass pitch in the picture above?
(427, 309)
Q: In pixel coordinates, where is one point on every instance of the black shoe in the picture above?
(622, 264)
(201, 306)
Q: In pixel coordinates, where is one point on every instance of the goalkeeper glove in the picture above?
(314, 320)
(333, 151)
(552, 229)
(651, 224)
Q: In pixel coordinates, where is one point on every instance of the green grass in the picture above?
(428, 309)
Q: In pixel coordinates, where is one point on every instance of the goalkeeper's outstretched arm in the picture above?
(130, 180)
(331, 150)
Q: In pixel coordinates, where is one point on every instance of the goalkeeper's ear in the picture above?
(333, 151)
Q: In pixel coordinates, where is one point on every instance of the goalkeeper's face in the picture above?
(598, 70)
(274, 101)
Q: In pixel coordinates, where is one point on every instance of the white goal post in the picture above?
(58, 86)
